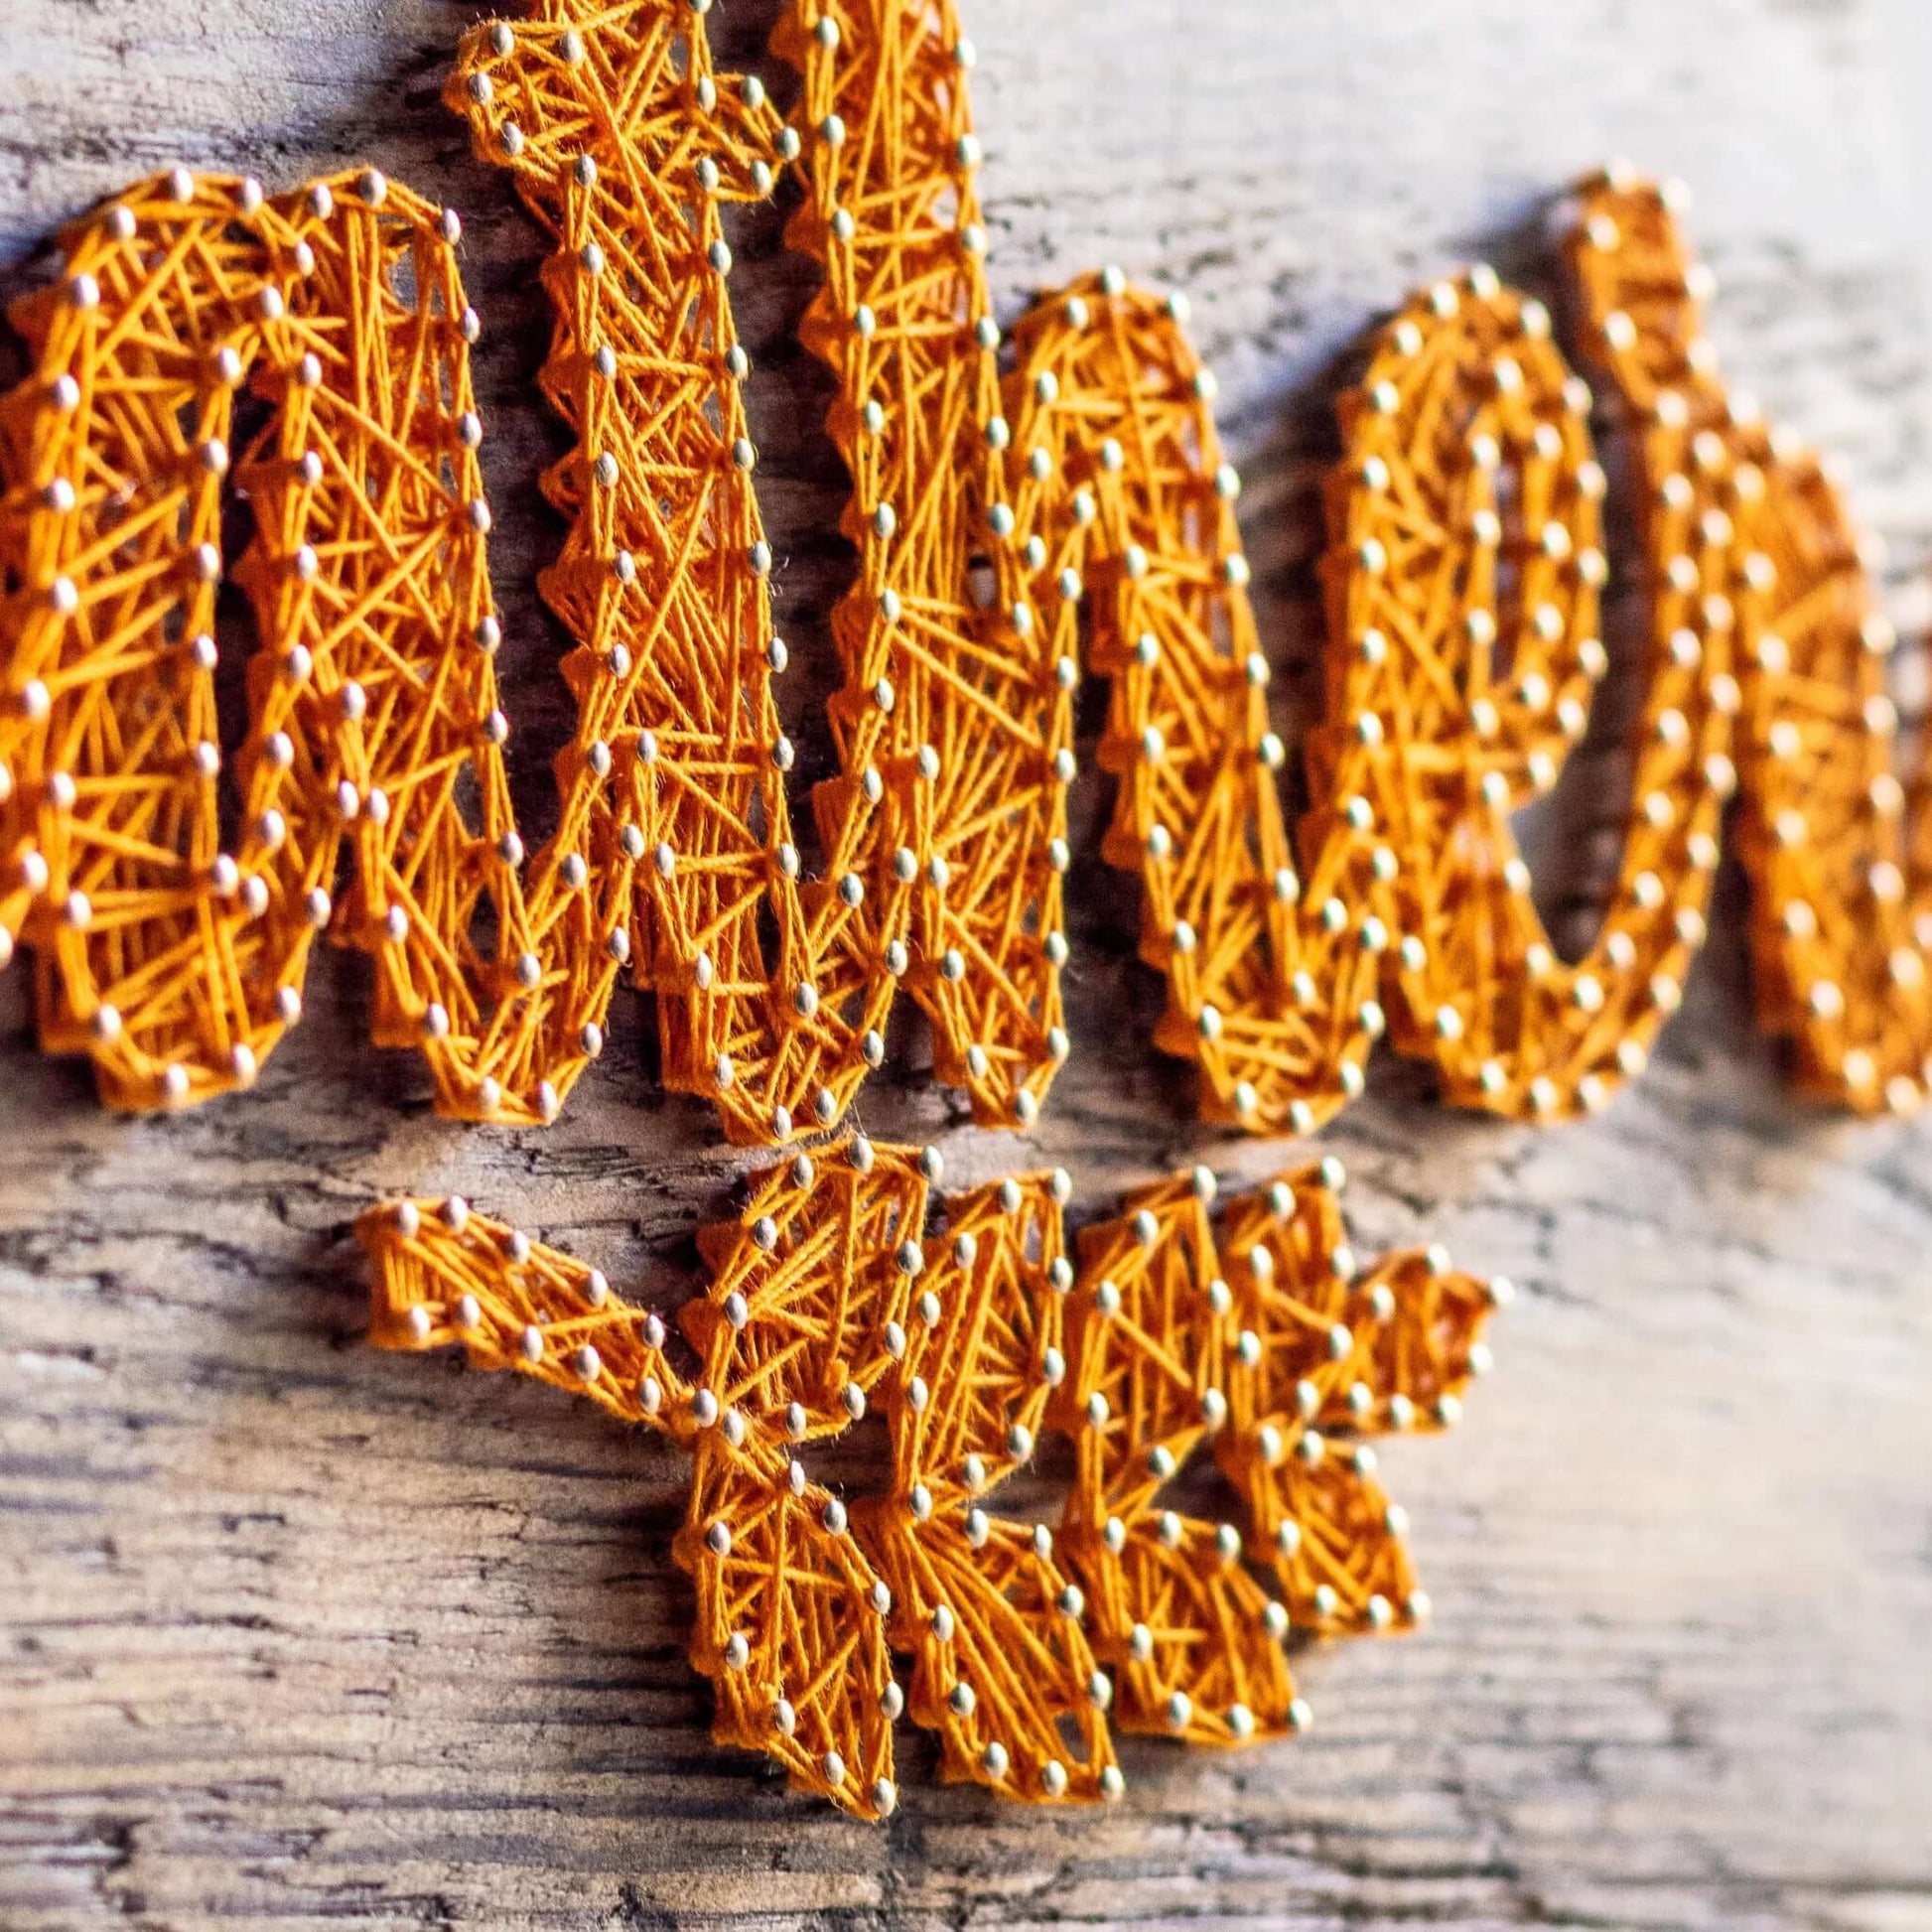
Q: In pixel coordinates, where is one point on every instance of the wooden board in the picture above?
(296, 1634)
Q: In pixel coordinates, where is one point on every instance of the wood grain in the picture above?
(292, 1633)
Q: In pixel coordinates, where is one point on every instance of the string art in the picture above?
(375, 724)
(994, 514)
(1006, 496)
(1838, 855)
(1463, 578)
(1252, 1338)
(374, 714)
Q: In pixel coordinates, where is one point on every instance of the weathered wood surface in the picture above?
(298, 1634)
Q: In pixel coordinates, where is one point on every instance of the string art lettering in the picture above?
(373, 713)
(1464, 576)
(826, 1296)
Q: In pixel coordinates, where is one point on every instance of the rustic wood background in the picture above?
(297, 1633)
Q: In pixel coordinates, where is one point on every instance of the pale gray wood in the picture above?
(298, 1633)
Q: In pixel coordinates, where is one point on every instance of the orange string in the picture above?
(374, 714)
(1260, 1343)
(1838, 853)
(829, 1300)
(1464, 576)
(1463, 580)
(989, 512)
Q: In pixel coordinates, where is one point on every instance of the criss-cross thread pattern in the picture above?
(1463, 578)
(1258, 1339)
(374, 717)
(372, 704)
(829, 1299)
(1408, 888)
(373, 721)
(1838, 850)
(940, 633)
